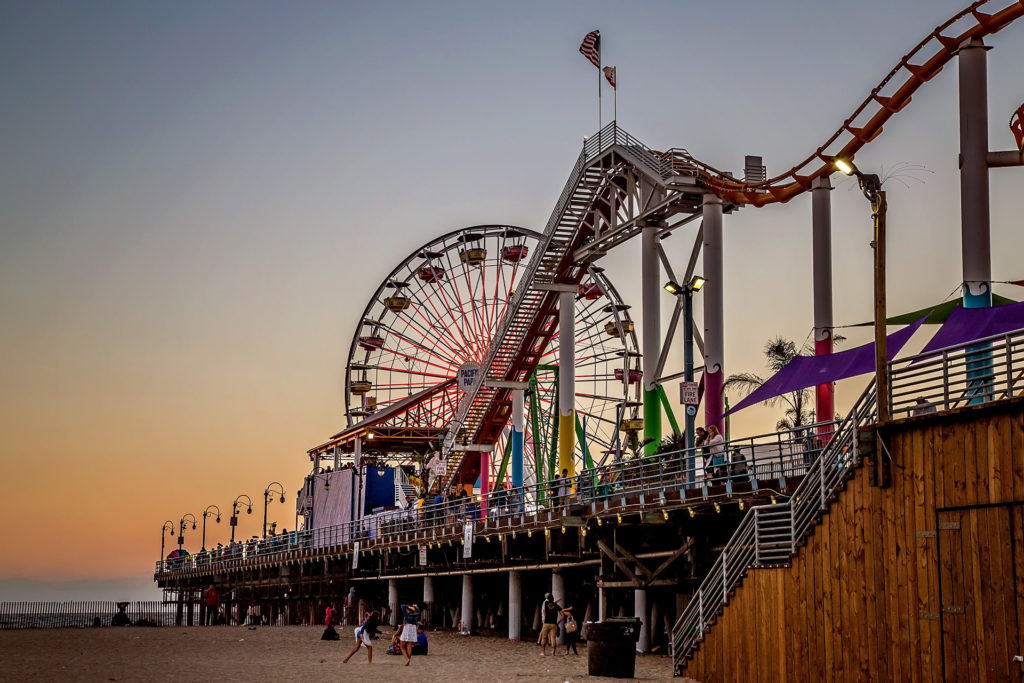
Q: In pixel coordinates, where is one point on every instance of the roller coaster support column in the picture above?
(714, 316)
(975, 238)
(518, 392)
(650, 274)
(566, 378)
(821, 235)
(485, 481)
(974, 208)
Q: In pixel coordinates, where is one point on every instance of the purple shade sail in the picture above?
(809, 371)
(968, 324)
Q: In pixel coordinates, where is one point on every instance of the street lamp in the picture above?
(169, 528)
(181, 535)
(686, 291)
(266, 500)
(871, 187)
(234, 513)
(207, 513)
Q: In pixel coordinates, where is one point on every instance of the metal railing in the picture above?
(969, 374)
(979, 371)
(764, 463)
(655, 164)
(769, 534)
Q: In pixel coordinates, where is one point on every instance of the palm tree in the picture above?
(672, 443)
(778, 352)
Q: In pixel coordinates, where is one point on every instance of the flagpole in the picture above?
(600, 74)
(615, 99)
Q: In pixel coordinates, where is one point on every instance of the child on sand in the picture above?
(363, 633)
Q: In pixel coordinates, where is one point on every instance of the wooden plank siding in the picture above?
(920, 581)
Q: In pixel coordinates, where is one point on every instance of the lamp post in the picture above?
(169, 528)
(266, 500)
(181, 527)
(686, 291)
(207, 513)
(234, 512)
(871, 186)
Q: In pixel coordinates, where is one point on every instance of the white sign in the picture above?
(423, 556)
(688, 395)
(468, 374)
(467, 537)
(355, 555)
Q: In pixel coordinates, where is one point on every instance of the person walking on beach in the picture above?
(363, 633)
(410, 617)
(549, 631)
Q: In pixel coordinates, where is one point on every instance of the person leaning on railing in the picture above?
(738, 466)
(716, 451)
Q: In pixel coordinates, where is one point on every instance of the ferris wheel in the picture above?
(440, 309)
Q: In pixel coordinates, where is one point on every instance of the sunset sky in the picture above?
(197, 199)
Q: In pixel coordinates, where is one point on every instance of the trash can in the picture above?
(611, 647)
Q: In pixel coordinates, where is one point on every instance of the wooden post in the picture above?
(881, 350)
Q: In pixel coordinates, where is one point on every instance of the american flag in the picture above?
(591, 48)
(609, 73)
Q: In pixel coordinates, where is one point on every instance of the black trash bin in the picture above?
(611, 647)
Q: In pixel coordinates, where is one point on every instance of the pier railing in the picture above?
(767, 464)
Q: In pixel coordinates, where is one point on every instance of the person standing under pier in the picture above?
(549, 631)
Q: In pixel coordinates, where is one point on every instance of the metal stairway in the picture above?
(532, 319)
(771, 535)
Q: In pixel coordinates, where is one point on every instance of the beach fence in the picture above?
(83, 613)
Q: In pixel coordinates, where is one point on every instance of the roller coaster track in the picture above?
(533, 319)
(918, 68)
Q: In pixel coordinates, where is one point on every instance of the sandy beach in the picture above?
(291, 653)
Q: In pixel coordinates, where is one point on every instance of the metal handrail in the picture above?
(768, 534)
(973, 372)
(978, 371)
(525, 301)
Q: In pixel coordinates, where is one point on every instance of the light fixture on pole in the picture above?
(234, 512)
(166, 530)
(266, 500)
(686, 292)
(871, 187)
(181, 535)
(207, 513)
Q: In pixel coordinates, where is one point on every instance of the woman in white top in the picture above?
(716, 449)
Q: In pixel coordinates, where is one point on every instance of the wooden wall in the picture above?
(921, 581)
